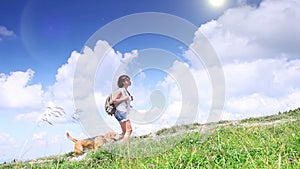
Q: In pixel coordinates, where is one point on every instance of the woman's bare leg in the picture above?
(128, 130)
(123, 127)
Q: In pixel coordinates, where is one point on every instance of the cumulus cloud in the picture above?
(247, 33)
(63, 86)
(81, 68)
(260, 57)
(17, 92)
(92, 75)
(270, 77)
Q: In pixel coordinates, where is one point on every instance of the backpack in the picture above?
(109, 108)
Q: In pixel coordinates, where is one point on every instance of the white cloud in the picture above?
(260, 57)
(179, 107)
(5, 32)
(8, 146)
(112, 65)
(31, 117)
(86, 76)
(95, 76)
(247, 33)
(91, 72)
(39, 136)
(60, 94)
(270, 77)
(39, 140)
(7, 140)
(58, 139)
(16, 92)
(257, 104)
(63, 87)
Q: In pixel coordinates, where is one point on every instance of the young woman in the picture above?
(121, 98)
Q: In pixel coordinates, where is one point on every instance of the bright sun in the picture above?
(216, 3)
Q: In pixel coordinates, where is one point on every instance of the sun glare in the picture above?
(216, 3)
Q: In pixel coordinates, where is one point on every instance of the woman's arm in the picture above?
(116, 97)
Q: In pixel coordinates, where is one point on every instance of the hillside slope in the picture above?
(266, 142)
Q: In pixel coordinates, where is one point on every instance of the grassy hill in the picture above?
(266, 142)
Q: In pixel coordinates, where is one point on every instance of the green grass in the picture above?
(276, 145)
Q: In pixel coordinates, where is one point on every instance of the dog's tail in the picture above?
(71, 138)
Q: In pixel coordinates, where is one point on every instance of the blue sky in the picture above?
(42, 41)
(46, 32)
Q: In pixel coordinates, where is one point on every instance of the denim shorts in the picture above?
(121, 116)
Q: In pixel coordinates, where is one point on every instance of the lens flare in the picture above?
(216, 3)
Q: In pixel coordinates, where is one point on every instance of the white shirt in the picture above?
(124, 105)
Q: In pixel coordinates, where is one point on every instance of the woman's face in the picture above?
(126, 82)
